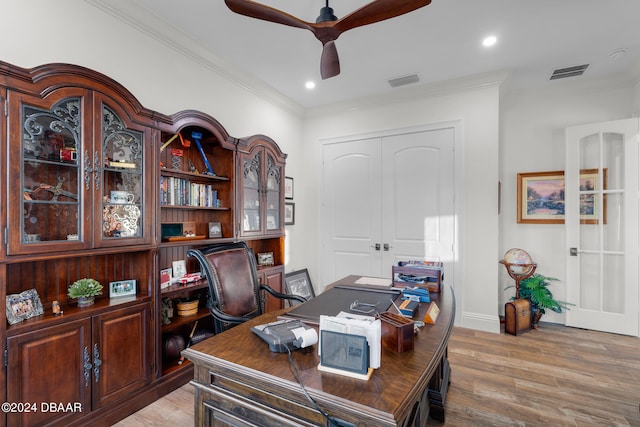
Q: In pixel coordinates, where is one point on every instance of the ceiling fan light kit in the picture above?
(328, 27)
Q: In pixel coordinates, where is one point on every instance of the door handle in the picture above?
(387, 246)
(573, 251)
(376, 246)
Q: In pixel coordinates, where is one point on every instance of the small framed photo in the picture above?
(215, 230)
(271, 222)
(179, 269)
(265, 258)
(298, 283)
(122, 288)
(289, 213)
(165, 278)
(23, 306)
(288, 188)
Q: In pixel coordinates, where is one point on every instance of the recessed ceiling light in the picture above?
(489, 41)
(310, 85)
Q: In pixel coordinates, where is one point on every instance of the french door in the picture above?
(601, 220)
(385, 199)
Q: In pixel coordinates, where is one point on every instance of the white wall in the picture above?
(533, 126)
(35, 32)
(476, 108)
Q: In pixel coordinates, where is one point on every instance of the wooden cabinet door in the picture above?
(48, 176)
(50, 366)
(121, 353)
(261, 176)
(122, 191)
(273, 193)
(273, 277)
(251, 187)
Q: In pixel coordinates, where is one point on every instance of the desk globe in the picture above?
(519, 266)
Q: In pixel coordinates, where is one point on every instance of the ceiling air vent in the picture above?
(561, 73)
(406, 80)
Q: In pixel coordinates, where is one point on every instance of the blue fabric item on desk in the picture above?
(416, 294)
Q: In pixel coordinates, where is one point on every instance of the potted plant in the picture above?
(536, 289)
(85, 290)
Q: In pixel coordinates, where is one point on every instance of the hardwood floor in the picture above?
(554, 376)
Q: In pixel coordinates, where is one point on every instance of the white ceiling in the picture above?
(439, 42)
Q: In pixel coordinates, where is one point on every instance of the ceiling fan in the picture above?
(328, 27)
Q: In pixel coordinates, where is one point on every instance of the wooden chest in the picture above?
(517, 316)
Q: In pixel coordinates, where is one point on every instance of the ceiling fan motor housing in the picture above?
(326, 14)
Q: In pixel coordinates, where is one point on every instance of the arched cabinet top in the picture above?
(247, 144)
(45, 79)
(194, 118)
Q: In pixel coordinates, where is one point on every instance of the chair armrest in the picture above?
(219, 315)
(282, 296)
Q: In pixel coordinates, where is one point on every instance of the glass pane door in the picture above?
(251, 193)
(274, 179)
(122, 183)
(50, 178)
(601, 183)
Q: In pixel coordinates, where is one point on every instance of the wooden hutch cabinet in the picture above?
(98, 186)
(260, 173)
(196, 207)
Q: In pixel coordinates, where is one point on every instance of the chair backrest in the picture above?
(230, 269)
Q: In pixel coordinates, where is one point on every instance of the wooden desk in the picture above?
(239, 382)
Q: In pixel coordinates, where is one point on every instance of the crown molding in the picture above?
(141, 19)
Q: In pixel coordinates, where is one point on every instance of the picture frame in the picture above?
(23, 306)
(288, 188)
(289, 213)
(165, 277)
(122, 288)
(550, 186)
(215, 230)
(265, 258)
(299, 283)
(541, 197)
(271, 222)
(179, 268)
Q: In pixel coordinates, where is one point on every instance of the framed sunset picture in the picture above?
(541, 197)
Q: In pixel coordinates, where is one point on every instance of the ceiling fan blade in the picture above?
(376, 11)
(260, 11)
(329, 62)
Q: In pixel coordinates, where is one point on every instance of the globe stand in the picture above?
(527, 271)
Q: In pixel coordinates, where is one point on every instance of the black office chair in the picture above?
(234, 290)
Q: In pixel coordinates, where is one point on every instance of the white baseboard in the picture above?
(482, 322)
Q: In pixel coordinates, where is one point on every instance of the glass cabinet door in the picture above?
(50, 174)
(120, 180)
(251, 219)
(274, 178)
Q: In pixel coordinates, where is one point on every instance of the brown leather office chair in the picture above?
(234, 290)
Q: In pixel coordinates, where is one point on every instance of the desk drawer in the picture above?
(241, 400)
(226, 409)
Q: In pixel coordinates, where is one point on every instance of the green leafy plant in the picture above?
(536, 290)
(85, 288)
